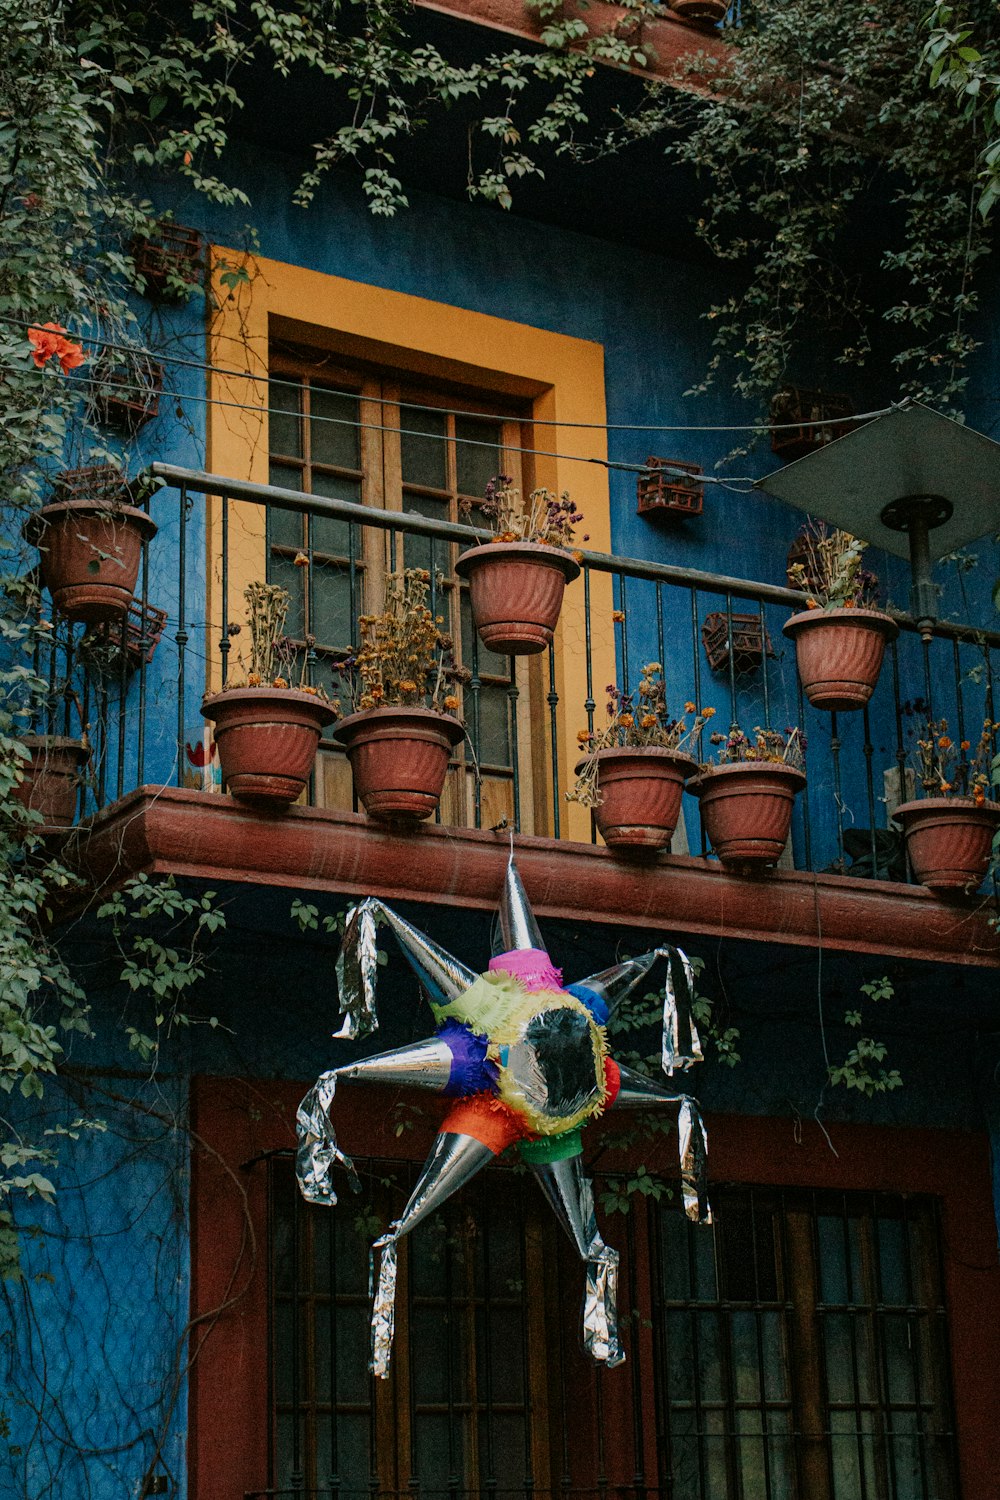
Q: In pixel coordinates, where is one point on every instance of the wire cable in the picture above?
(194, 364)
(578, 458)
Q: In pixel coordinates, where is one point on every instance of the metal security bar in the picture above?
(803, 1350)
(718, 637)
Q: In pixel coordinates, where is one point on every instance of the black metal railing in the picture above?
(718, 638)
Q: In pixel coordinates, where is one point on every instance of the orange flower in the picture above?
(708, 713)
(301, 561)
(626, 721)
(978, 796)
(945, 786)
(618, 616)
(49, 343)
(253, 679)
(811, 604)
(280, 682)
(944, 743)
(583, 736)
(690, 708)
(965, 744)
(648, 721)
(406, 686)
(451, 702)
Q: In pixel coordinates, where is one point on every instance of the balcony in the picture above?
(842, 882)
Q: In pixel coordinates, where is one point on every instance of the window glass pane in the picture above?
(284, 425)
(477, 464)
(493, 747)
(675, 1279)
(423, 448)
(440, 1450)
(709, 1329)
(900, 1340)
(832, 1260)
(328, 533)
(282, 570)
(491, 663)
(334, 433)
(331, 589)
(893, 1279)
(418, 550)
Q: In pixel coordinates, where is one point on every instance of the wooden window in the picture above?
(802, 1350)
(373, 438)
(468, 1406)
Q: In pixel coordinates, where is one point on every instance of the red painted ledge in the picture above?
(166, 830)
(670, 42)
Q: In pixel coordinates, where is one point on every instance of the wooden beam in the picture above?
(166, 830)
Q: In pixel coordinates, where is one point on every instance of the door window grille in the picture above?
(467, 1408)
(801, 1350)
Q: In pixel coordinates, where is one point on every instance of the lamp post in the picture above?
(913, 482)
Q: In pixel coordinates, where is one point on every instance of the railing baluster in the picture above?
(699, 749)
(140, 749)
(225, 645)
(513, 695)
(181, 636)
(475, 688)
(838, 799)
(122, 701)
(763, 665)
(552, 699)
(869, 751)
(623, 607)
(804, 798)
(733, 717)
(589, 703)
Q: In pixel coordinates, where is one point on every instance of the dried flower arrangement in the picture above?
(405, 659)
(635, 721)
(543, 518)
(275, 659)
(828, 569)
(945, 768)
(769, 746)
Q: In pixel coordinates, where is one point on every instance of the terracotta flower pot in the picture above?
(746, 809)
(948, 840)
(640, 792)
(90, 555)
(838, 653)
(710, 11)
(399, 758)
(267, 739)
(52, 778)
(517, 592)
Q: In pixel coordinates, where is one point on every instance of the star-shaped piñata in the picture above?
(526, 1061)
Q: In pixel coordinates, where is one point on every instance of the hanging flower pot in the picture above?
(90, 544)
(399, 758)
(746, 809)
(52, 778)
(267, 739)
(640, 795)
(948, 840)
(125, 390)
(838, 653)
(169, 262)
(517, 592)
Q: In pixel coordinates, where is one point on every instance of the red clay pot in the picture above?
(710, 11)
(640, 792)
(89, 556)
(517, 592)
(267, 739)
(948, 840)
(838, 653)
(52, 778)
(746, 810)
(399, 758)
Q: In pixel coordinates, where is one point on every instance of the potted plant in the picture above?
(517, 580)
(125, 389)
(267, 730)
(401, 685)
(169, 261)
(949, 831)
(633, 770)
(746, 798)
(90, 538)
(840, 638)
(51, 778)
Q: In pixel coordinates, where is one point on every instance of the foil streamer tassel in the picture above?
(692, 1152)
(681, 1042)
(600, 1309)
(356, 966)
(383, 1306)
(317, 1149)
